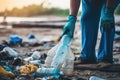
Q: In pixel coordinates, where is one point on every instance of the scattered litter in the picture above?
(8, 68)
(117, 30)
(3, 77)
(15, 40)
(28, 69)
(95, 78)
(17, 61)
(5, 72)
(31, 36)
(41, 78)
(35, 56)
(8, 54)
(36, 62)
(43, 56)
(5, 56)
(2, 47)
(11, 52)
(31, 42)
(116, 49)
(11, 62)
(49, 72)
(24, 77)
(117, 37)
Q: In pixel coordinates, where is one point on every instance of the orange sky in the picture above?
(9, 4)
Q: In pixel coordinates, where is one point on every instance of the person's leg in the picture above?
(89, 25)
(105, 52)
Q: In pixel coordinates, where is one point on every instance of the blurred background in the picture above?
(31, 14)
(19, 15)
(35, 8)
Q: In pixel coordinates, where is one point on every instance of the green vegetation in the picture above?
(35, 10)
(117, 11)
(58, 11)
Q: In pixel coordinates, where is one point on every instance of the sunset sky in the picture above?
(9, 4)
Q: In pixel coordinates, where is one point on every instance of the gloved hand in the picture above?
(107, 19)
(69, 26)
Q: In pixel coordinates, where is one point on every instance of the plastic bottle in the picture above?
(10, 51)
(50, 55)
(36, 62)
(49, 72)
(95, 78)
(68, 66)
(61, 52)
(35, 56)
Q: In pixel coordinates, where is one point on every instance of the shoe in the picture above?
(84, 61)
(103, 64)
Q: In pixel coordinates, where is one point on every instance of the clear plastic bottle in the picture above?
(35, 56)
(11, 52)
(50, 55)
(68, 66)
(95, 78)
(36, 62)
(49, 72)
(61, 52)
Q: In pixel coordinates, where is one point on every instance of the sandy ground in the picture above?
(54, 34)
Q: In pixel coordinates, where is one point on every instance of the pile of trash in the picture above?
(37, 66)
(55, 64)
(14, 66)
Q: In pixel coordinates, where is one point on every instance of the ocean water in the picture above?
(42, 18)
(19, 19)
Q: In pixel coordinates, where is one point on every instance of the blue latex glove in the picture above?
(107, 19)
(69, 26)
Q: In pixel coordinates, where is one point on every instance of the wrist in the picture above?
(72, 15)
(72, 18)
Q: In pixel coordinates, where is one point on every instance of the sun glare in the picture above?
(9, 4)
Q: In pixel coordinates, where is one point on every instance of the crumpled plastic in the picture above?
(31, 36)
(28, 69)
(15, 39)
(6, 73)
